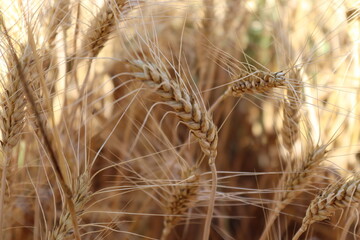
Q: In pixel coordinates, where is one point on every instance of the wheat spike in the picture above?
(12, 109)
(188, 109)
(256, 82)
(183, 197)
(191, 113)
(33, 77)
(292, 107)
(81, 195)
(250, 83)
(12, 121)
(337, 196)
(294, 183)
(101, 26)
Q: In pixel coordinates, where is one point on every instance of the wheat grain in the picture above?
(291, 111)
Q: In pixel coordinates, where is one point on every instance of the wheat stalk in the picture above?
(190, 112)
(182, 197)
(293, 183)
(337, 196)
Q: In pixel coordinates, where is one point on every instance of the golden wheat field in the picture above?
(179, 119)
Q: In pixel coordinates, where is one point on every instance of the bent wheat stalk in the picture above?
(190, 112)
(337, 196)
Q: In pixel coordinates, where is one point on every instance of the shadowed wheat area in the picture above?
(172, 120)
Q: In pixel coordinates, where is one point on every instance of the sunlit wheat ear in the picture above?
(292, 108)
(190, 112)
(182, 197)
(256, 82)
(251, 83)
(293, 182)
(101, 26)
(336, 196)
(81, 196)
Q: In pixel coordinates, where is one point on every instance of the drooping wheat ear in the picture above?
(292, 107)
(256, 82)
(337, 196)
(101, 26)
(190, 112)
(182, 198)
(81, 197)
(293, 182)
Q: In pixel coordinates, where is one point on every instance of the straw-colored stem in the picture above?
(211, 206)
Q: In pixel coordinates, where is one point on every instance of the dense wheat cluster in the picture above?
(152, 119)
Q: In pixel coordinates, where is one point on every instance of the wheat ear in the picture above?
(257, 82)
(250, 83)
(292, 107)
(191, 113)
(337, 196)
(182, 198)
(12, 116)
(293, 184)
(100, 27)
(81, 196)
(47, 143)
